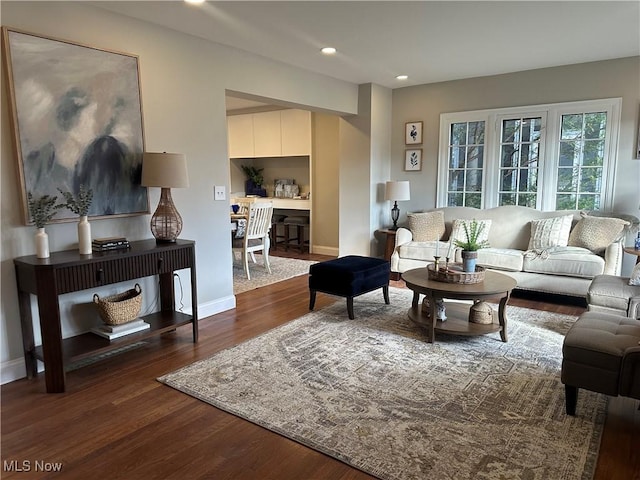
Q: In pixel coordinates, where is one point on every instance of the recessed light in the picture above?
(328, 50)
(195, 2)
(402, 77)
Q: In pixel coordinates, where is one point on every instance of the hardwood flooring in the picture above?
(117, 421)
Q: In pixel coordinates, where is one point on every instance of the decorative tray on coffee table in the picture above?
(453, 273)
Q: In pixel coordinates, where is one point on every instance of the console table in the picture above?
(68, 271)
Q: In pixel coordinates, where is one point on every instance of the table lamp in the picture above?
(167, 171)
(397, 191)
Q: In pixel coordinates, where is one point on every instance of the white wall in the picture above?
(183, 94)
(364, 155)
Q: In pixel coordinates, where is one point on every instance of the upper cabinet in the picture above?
(281, 133)
(267, 136)
(296, 132)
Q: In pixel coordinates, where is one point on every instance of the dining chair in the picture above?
(256, 235)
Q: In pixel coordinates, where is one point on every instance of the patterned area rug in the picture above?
(281, 269)
(372, 393)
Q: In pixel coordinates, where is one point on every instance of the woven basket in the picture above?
(121, 307)
(454, 274)
(481, 312)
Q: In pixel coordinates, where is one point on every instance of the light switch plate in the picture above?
(219, 192)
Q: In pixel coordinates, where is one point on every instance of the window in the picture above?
(466, 152)
(519, 156)
(550, 157)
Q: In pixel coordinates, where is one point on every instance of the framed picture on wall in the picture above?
(413, 160)
(76, 118)
(413, 133)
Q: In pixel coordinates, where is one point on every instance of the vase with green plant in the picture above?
(255, 179)
(42, 209)
(80, 204)
(473, 231)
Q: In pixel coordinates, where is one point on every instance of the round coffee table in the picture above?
(495, 285)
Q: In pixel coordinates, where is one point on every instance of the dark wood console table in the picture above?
(68, 271)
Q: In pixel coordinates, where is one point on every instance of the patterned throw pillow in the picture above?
(596, 233)
(457, 230)
(550, 232)
(427, 226)
(635, 275)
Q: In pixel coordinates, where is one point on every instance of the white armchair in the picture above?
(613, 294)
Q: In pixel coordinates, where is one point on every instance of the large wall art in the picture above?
(77, 120)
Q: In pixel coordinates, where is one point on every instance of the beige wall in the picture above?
(613, 78)
(184, 80)
(325, 190)
(274, 168)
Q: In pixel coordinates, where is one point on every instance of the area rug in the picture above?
(281, 269)
(372, 393)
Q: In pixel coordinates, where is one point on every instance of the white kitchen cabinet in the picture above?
(282, 133)
(295, 132)
(267, 136)
(240, 135)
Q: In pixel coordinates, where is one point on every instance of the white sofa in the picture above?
(565, 270)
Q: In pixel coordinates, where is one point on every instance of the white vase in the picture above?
(84, 235)
(42, 243)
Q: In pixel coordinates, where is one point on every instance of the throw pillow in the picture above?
(427, 226)
(457, 230)
(635, 275)
(550, 232)
(596, 233)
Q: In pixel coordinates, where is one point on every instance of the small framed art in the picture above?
(413, 133)
(413, 160)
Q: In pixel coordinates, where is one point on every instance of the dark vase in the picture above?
(469, 260)
(252, 189)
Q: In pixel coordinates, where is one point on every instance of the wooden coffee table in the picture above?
(495, 286)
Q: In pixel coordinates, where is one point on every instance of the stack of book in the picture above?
(115, 331)
(109, 243)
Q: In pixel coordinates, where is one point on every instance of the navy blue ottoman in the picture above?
(349, 277)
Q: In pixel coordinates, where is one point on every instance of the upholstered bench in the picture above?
(349, 277)
(601, 353)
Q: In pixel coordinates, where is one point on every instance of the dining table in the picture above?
(236, 218)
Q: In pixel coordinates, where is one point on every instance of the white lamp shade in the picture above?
(397, 190)
(168, 170)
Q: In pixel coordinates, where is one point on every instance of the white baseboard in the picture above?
(15, 369)
(217, 306)
(320, 250)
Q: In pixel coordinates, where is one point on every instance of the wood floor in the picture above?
(117, 421)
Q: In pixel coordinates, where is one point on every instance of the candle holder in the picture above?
(436, 262)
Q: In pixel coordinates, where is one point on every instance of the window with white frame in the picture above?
(550, 157)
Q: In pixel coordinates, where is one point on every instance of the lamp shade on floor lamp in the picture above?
(167, 171)
(397, 191)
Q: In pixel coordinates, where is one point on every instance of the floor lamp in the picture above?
(397, 191)
(167, 171)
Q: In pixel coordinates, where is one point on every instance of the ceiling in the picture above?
(430, 41)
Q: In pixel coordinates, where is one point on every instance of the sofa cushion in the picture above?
(550, 232)
(571, 261)
(501, 258)
(427, 226)
(422, 250)
(596, 233)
